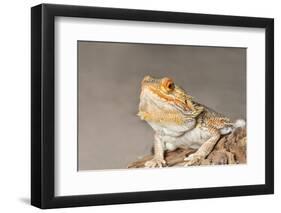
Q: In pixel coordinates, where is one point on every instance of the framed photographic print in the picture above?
(139, 106)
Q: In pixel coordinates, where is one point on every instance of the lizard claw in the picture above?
(193, 159)
(155, 162)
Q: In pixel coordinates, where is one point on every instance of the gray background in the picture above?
(110, 135)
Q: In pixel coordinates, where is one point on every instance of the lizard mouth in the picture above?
(183, 103)
(164, 95)
(163, 101)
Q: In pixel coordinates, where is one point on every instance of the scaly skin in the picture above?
(178, 120)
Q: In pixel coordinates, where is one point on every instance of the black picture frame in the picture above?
(43, 100)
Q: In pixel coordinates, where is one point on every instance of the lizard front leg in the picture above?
(204, 150)
(158, 159)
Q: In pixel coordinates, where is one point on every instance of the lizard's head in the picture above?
(164, 93)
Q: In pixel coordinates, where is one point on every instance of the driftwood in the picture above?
(230, 149)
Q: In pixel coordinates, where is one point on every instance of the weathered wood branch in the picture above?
(230, 149)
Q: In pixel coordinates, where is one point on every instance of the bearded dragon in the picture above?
(180, 121)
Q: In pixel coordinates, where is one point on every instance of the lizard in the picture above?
(178, 121)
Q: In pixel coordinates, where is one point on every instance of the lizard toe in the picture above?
(193, 159)
(155, 162)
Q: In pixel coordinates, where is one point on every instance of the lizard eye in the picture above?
(171, 85)
(168, 84)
